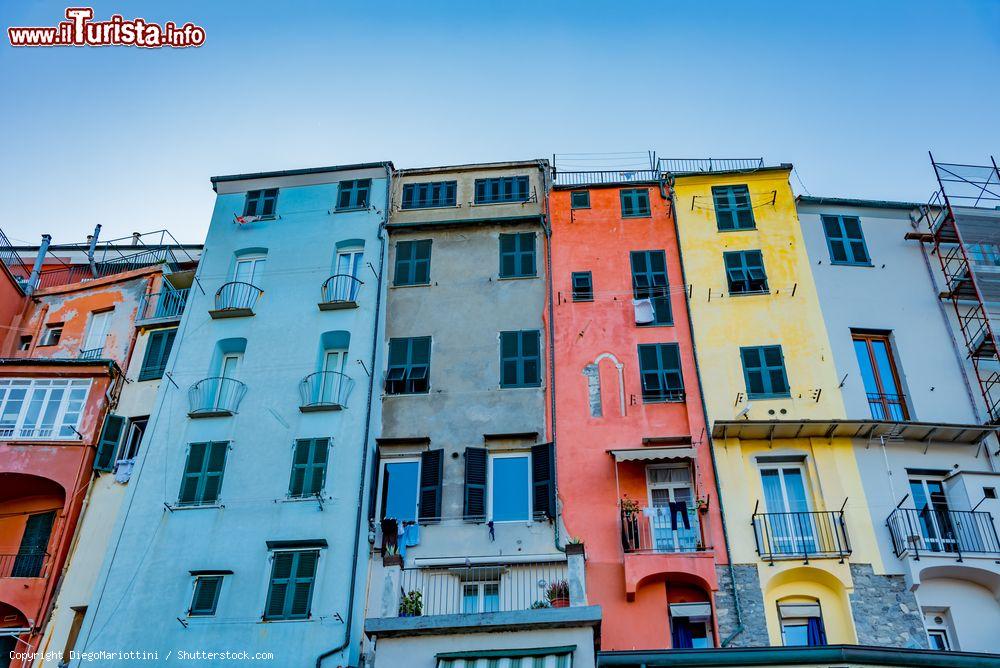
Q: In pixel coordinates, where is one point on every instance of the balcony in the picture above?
(91, 354)
(162, 307)
(888, 407)
(801, 535)
(656, 530)
(942, 533)
(215, 397)
(325, 391)
(235, 300)
(340, 291)
(23, 565)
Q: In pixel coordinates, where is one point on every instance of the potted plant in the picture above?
(558, 594)
(537, 605)
(702, 504)
(411, 605)
(630, 523)
(629, 506)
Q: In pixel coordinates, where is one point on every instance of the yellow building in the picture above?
(795, 509)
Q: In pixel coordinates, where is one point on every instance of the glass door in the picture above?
(334, 364)
(932, 512)
(226, 392)
(673, 520)
(247, 269)
(348, 264)
(879, 375)
(97, 331)
(788, 522)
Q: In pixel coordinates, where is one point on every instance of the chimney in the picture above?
(90, 249)
(36, 272)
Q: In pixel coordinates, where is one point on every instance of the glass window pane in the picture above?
(794, 635)
(510, 488)
(399, 495)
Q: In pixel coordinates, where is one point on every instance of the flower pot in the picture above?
(559, 603)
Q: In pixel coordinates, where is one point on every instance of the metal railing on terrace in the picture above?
(81, 272)
(604, 177)
(13, 261)
(801, 535)
(163, 305)
(707, 165)
(890, 407)
(942, 532)
(659, 529)
(91, 353)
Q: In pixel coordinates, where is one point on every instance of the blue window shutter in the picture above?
(431, 476)
(158, 347)
(107, 446)
(206, 595)
(214, 469)
(192, 473)
(278, 590)
(543, 497)
(475, 484)
(753, 371)
(305, 575)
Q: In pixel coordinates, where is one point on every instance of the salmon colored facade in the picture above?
(615, 441)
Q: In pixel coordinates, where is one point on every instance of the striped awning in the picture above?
(649, 454)
(538, 657)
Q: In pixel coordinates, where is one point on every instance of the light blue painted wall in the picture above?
(145, 583)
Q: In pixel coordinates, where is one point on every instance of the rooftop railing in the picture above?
(939, 532)
(805, 535)
(707, 165)
(91, 353)
(605, 177)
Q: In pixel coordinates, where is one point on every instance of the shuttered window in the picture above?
(309, 461)
(520, 359)
(34, 545)
(504, 189)
(409, 366)
(660, 368)
(431, 475)
(107, 446)
(579, 199)
(206, 595)
(745, 272)
(543, 474)
(733, 210)
(293, 574)
(202, 481)
(635, 202)
(353, 194)
(845, 240)
(261, 203)
(413, 263)
(475, 484)
(583, 286)
(649, 281)
(428, 195)
(764, 372)
(517, 255)
(158, 346)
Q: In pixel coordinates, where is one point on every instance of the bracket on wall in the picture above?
(370, 266)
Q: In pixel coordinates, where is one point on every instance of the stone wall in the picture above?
(754, 633)
(885, 612)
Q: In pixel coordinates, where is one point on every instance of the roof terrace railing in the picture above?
(699, 165)
(605, 177)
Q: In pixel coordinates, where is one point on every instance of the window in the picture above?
(24, 343)
(510, 488)
(745, 272)
(133, 438)
(289, 595)
(480, 597)
(428, 195)
(41, 409)
(409, 366)
(635, 202)
(939, 630)
(579, 199)
(205, 598)
(400, 479)
(52, 334)
(261, 203)
(34, 545)
(764, 372)
(660, 369)
(801, 624)
(788, 530)
(203, 471)
(248, 268)
(353, 194)
(733, 210)
(413, 263)
(583, 286)
(649, 281)
(498, 487)
(517, 255)
(673, 520)
(691, 625)
(504, 189)
(347, 264)
(845, 240)
(308, 467)
(158, 346)
(936, 523)
(880, 377)
(97, 332)
(939, 639)
(520, 359)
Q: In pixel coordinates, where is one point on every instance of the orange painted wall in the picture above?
(599, 240)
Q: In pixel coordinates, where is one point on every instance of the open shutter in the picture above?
(431, 473)
(34, 544)
(281, 574)
(300, 465)
(373, 489)
(475, 483)
(319, 458)
(107, 446)
(192, 473)
(543, 474)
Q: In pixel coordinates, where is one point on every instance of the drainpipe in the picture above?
(92, 248)
(708, 433)
(362, 509)
(36, 271)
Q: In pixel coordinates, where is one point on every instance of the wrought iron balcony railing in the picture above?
(216, 396)
(236, 299)
(801, 535)
(91, 354)
(890, 407)
(23, 565)
(942, 532)
(708, 165)
(325, 391)
(163, 305)
(340, 291)
(661, 530)
(605, 177)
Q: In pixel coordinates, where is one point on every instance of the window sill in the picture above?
(411, 285)
(425, 208)
(536, 386)
(852, 264)
(638, 215)
(508, 202)
(350, 209)
(579, 208)
(517, 278)
(192, 506)
(299, 499)
(749, 293)
(582, 301)
(654, 324)
(678, 400)
(767, 397)
(285, 621)
(405, 394)
(740, 229)
(42, 441)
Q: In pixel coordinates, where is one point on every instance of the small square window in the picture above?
(353, 194)
(583, 286)
(24, 343)
(517, 255)
(745, 272)
(845, 240)
(53, 332)
(261, 203)
(206, 595)
(635, 203)
(989, 492)
(580, 199)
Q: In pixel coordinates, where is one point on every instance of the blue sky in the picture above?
(853, 93)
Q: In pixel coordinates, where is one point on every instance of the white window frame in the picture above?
(16, 432)
(781, 466)
(103, 318)
(48, 334)
(381, 482)
(129, 430)
(670, 487)
(256, 262)
(355, 256)
(942, 633)
(480, 586)
(491, 457)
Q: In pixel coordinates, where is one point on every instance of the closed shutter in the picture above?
(34, 544)
(774, 359)
(154, 363)
(373, 488)
(753, 369)
(543, 476)
(475, 483)
(305, 575)
(213, 472)
(206, 595)
(431, 473)
(281, 574)
(107, 446)
(317, 476)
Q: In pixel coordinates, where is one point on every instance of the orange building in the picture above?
(635, 473)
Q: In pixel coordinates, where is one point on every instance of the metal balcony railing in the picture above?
(806, 535)
(215, 396)
(658, 530)
(325, 390)
(891, 407)
(483, 589)
(942, 532)
(605, 177)
(340, 290)
(164, 305)
(706, 165)
(237, 298)
(108, 267)
(24, 565)
(91, 354)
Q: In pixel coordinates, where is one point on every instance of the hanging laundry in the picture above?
(644, 313)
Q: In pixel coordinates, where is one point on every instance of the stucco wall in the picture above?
(973, 608)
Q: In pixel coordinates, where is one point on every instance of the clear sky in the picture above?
(854, 93)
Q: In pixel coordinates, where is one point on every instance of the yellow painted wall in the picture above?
(790, 316)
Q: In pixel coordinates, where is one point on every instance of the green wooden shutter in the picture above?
(475, 483)
(300, 466)
(192, 473)
(373, 487)
(753, 371)
(214, 469)
(206, 595)
(277, 591)
(543, 476)
(317, 474)
(305, 576)
(34, 545)
(431, 473)
(154, 363)
(107, 446)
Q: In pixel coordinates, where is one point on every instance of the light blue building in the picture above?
(249, 502)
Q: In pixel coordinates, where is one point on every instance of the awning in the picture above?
(541, 657)
(691, 610)
(650, 454)
(926, 432)
(798, 610)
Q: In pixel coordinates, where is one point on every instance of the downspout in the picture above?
(708, 432)
(368, 422)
